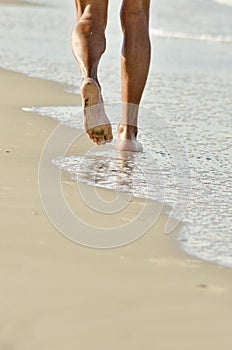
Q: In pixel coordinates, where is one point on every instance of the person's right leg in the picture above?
(88, 44)
(135, 61)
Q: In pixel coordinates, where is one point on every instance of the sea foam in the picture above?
(187, 36)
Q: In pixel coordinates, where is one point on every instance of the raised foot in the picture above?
(96, 123)
(127, 140)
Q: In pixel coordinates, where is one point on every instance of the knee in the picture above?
(92, 31)
(134, 13)
(92, 17)
(91, 25)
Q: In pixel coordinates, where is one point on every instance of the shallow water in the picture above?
(205, 138)
(188, 96)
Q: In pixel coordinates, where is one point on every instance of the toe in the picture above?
(108, 139)
(100, 136)
(95, 140)
(101, 141)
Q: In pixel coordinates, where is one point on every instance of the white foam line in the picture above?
(185, 36)
(224, 2)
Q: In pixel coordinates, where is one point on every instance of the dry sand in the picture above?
(57, 295)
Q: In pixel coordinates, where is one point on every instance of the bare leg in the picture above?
(88, 44)
(135, 62)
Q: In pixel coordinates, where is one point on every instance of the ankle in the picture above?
(127, 131)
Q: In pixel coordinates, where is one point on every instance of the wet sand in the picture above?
(56, 294)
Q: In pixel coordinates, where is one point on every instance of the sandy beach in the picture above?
(56, 294)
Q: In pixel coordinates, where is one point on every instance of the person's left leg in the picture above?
(88, 45)
(135, 62)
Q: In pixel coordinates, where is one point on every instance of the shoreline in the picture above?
(56, 293)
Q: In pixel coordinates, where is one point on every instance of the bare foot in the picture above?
(127, 139)
(96, 123)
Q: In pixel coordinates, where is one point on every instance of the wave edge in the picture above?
(186, 36)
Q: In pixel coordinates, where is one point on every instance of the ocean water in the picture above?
(186, 116)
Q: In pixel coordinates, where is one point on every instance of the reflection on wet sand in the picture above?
(121, 171)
